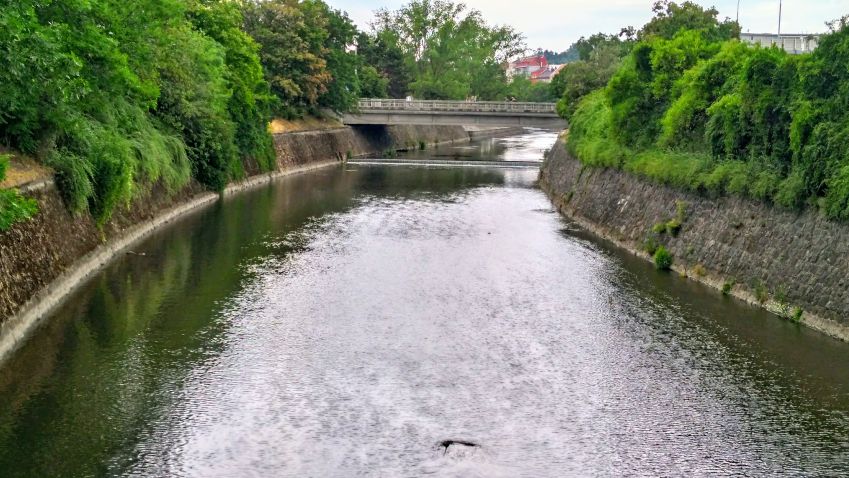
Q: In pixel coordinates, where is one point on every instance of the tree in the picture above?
(674, 41)
(563, 57)
(381, 52)
(449, 50)
(293, 37)
(343, 91)
(578, 79)
(523, 89)
(250, 102)
(372, 83)
(586, 47)
(670, 18)
(194, 103)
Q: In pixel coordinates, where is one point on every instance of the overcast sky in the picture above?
(555, 24)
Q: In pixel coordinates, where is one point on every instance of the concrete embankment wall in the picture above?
(799, 259)
(46, 258)
(304, 147)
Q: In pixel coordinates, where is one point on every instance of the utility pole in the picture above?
(738, 12)
(779, 41)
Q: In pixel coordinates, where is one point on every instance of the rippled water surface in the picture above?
(347, 321)
(529, 145)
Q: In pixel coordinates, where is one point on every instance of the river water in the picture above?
(348, 321)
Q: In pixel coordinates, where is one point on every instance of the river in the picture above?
(351, 321)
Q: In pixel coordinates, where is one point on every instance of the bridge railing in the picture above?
(366, 105)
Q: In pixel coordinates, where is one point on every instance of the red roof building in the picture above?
(527, 66)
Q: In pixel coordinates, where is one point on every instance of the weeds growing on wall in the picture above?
(13, 206)
(728, 286)
(663, 259)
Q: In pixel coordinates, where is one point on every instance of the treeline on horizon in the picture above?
(121, 96)
(684, 102)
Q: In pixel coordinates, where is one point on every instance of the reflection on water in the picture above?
(348, 321)
(530, 145)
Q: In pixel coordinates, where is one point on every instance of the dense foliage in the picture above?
(692, 106)
(121, 96)
(305, 50)
(448, 51)
(523, 89)
(578, 79)
(385, 71)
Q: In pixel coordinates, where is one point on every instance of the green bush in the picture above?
(578, 79)
(250, 100)
(15, 208)
(120, 96)
(125, 95)
(727, 287)
(694, 109)
(662, 259)
(590, 137)
(681, 210)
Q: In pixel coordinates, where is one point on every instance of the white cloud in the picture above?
(555, 24)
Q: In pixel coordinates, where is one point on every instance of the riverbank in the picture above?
(788, 262)
(43, 260)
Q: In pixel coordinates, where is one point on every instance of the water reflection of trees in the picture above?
(85, 387)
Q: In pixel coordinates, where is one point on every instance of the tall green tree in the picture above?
(451, 52)
(250, 101)
(292, 37)
(381, 51)
(343, 91)
(588, 46)
(671, 17)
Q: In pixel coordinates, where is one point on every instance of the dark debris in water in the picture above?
(446, 444)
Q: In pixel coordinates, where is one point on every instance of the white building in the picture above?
(792, 43)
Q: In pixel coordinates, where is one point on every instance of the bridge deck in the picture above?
(431, 106)
(490, 113)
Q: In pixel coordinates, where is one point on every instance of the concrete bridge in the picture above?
(464, 113)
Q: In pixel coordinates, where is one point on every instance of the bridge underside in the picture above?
(454, 119)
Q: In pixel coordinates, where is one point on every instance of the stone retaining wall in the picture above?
(796, 259)
(299, 148)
